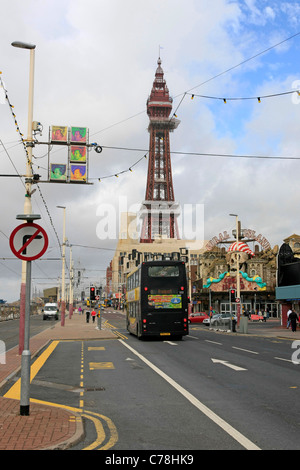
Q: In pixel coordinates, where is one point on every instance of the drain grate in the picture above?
(95, 389)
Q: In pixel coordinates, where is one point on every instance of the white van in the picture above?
(50, 311)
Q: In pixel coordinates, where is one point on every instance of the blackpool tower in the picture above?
(160, 211)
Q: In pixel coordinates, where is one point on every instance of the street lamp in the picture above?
(26, 266)
(238, 288)
(28, 183)
(71, 285)
(63, 300)
(29, 142)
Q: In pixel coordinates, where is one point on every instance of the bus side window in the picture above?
(136, 279)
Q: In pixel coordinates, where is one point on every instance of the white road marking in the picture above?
(227, 364)
(240, 438)
(246, 350)
(214, 342)
(282, 359)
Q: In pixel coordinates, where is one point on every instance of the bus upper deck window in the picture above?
(163, 271)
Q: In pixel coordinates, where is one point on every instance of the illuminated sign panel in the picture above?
(72, 167)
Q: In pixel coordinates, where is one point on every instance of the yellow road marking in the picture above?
(98, 425)
(112, 429)
(99, 430)
(15, 390)
(96, 348)
(101, 365)
(120, 335)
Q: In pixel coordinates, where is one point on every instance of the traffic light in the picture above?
(232, 295)
(92, 293)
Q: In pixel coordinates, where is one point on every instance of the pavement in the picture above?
(52, 427)
(46, 427)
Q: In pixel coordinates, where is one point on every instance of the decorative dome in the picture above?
(241, 247)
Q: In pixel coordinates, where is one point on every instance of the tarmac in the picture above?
(57, 428)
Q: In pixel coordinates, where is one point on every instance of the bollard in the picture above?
(244, 324)
(99, 320)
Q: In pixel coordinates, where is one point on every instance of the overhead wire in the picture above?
(258, 98)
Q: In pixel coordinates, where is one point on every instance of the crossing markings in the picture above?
(101, 365)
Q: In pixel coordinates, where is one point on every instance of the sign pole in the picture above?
(28, 242)
(26, 355)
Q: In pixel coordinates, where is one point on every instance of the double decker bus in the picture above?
(156, 300)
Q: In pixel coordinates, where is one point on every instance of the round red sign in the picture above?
(28, 241)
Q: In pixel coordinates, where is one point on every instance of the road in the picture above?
(208, 391)
(9, 329)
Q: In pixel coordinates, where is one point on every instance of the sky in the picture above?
(95, 63)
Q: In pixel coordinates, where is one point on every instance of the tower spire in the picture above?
(159, 208)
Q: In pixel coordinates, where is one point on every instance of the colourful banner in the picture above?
(58, 172)
(78, 173)
(59, 134)
(78, 153)
(78, 134)
(165, 301)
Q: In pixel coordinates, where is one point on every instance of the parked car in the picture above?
(219, 319)
(197, 317)
(208, 320)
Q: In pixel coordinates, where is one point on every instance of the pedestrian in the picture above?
(265, 315)
(288, 319)
(79, 310)
(93, 313)
(293, 317)
(87, 313)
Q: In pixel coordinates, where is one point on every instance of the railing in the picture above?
(9, 312)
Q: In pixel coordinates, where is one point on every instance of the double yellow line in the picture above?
(103, 441)
(112, 327)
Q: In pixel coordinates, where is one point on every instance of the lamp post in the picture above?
(63, 298)
(28, 182)
(238, 288)
(71, 285)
